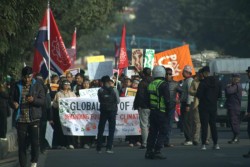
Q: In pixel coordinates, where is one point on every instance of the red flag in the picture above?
(58, 52)
(123, 57)
(59, 59)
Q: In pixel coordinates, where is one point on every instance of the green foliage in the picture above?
(212, 24)
(19, 22)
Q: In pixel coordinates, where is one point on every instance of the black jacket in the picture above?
(4, 107)
(37, 91)
(140, 97)
(208, 92)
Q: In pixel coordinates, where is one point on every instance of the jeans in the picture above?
(105, 116)
(157, 130)
(196, 124)
(25, 131)
(144, 124)
(187, 119)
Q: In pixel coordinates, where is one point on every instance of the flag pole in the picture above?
(75, 50)
(48, 27)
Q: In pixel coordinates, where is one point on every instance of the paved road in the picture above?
(178, 156)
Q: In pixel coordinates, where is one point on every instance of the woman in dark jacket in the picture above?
(4, 111)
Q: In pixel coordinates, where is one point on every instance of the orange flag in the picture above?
(176, 59)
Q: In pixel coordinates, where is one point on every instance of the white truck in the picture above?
(223, 68)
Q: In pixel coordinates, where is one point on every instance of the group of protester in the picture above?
(35, 102)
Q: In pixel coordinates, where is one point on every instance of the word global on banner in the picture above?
(80, 117)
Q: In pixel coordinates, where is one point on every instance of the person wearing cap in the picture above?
(233, 93)
(109, 99)
(141, 106)
(186, 100)
(247, 155)
(59, 139)
(208, 92)
(27, 99)
(157, 100)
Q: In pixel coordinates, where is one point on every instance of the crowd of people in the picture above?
(35, 102)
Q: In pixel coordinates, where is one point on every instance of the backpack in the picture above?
(107, 98)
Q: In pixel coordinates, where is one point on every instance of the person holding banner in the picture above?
(158, 98)
(141, 106)
(108, 99)
(58, 138)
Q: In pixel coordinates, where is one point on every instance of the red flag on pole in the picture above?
(49, 46)
(123, 57)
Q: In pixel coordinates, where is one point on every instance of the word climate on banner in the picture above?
(175, 59)
(80, 117)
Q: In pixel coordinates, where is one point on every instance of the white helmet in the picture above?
(159, 72)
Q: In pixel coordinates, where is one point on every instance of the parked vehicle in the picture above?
(223, 69)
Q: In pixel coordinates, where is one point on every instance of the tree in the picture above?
(19, 21)
(219, 25)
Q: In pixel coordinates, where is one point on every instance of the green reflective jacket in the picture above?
(156, 102)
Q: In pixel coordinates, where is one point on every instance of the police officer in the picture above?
(158, 98)
(247, 155)
(233, 92)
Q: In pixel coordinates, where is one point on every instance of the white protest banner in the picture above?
(97, 70)
(89, 93)
(137, 58)
(80, 117)
(49, 134)
(149, 58)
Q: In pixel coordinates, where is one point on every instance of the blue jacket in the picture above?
(37, 91)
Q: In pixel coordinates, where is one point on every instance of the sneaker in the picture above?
(3, 139)
(138, 143)
(188, 143)
(159, 155)
(131, 145)
(233, 141)
(207, 142)
(203, 147)
(246, 155)
(216, 147)
(149, 155)
(71, 147)
(33, 165)
(86, 146)
(109, 151)
(142, 147)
